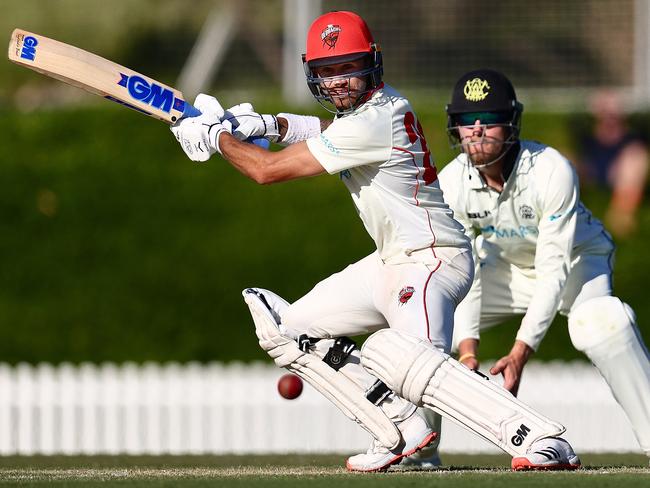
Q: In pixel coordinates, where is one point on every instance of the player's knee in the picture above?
(600, 320)
(290, 318)
(405, 363)
(310, 336)
(300, 320)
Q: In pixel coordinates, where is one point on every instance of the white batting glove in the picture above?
(208, 105)
(199, 136)
(246, 123)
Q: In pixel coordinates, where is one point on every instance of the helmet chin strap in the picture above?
(495, 160)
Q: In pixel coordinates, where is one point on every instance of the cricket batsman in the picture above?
(405, 292)
(538, 249)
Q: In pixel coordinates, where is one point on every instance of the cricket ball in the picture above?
(290, 386)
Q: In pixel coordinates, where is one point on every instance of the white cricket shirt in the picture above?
(381, 155)
(536, 223)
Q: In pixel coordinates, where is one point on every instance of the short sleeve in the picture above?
(354, 140)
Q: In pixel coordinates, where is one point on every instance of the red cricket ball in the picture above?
(290, 386)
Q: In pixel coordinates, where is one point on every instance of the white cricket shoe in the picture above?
(415, 435)
(547, 454)
(426, 459)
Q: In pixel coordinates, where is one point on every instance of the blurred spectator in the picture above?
(614, 157)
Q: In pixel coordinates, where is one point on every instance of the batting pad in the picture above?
(337, 388)
(414, 369)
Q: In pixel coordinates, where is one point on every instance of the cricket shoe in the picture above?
(415, 435)
(426, 459)
(550, 453)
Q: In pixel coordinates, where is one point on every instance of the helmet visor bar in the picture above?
(324, 89)
(329, 79)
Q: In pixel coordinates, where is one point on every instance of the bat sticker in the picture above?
(28, 50)
(151, 93)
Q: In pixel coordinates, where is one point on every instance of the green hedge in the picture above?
(115, 247)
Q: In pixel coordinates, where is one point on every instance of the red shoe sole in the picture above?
(427, 440)
(523, 464)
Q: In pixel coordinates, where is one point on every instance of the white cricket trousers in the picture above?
(623, 360)
(506, 290)
(418, 298)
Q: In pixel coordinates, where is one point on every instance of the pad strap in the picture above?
(305, 343)
(339, 352)
(378, 392)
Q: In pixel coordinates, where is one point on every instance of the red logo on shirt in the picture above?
(405, 294)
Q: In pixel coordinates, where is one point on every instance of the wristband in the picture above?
(300, 128)
(467, 355)
(214, 131)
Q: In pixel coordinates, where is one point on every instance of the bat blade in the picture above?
(99, 76)
(102, 77)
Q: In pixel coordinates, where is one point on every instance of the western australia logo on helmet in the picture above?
(476, 90)
(330, 35)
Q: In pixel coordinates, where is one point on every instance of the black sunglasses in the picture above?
(485, 118)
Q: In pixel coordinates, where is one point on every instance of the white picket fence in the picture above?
(218, 409)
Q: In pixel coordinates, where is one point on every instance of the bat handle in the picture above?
(191, 111)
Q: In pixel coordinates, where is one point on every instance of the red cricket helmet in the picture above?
(337, 37)
(338, 34)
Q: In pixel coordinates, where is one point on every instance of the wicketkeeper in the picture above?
(538, 249)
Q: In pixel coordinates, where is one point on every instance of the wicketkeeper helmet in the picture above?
(486, 95)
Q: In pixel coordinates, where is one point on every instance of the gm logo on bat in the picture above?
(151, 93)
(28, 50)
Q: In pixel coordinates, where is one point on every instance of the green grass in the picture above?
(620, 470)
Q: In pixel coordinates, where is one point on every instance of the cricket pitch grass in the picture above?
(315, 471)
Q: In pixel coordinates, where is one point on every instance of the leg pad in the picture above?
(336, 387)
(414, 369)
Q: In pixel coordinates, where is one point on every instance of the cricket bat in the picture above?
(102, 77)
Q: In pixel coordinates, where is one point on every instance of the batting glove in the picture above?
(247, 124)
(209, 105)
(199, 136)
